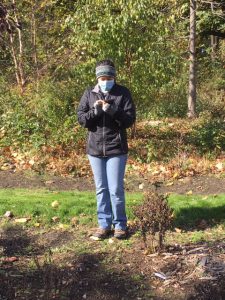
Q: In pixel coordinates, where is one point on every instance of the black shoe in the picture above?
(101, 234)
(120, 234)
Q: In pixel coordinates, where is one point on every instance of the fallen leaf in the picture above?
(131, 251)
(169, 183)
(32, 162)
(4, 167)
(162, 169)
(49, 182)
(189, 193)
(63, 226)
(55, 204)
(82, 215)
(176, 175)
(10, 259)
(8, 214)
(95, 238)
(141, 186)
(55, 219)
(74, 221)
(153, 255)
(220, 166)
(146, 252)
(131, 223)
(22, 220)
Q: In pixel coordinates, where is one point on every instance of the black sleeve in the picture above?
(126, 115)
(85, 113)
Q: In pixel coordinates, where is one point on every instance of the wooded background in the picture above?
(49, 49)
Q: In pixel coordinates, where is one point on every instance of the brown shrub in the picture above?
(155, 218)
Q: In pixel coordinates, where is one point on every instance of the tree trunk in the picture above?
(214, 40)
(13, 52)
(192, 69)
(20, 56)
(214, 43)
(34, 40)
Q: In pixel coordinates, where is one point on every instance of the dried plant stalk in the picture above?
(155, 218)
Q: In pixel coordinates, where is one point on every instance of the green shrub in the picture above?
(46, 115)
(208, 134)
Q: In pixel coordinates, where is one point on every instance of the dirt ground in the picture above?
(198, 185)
(38, 263)
(67, 265)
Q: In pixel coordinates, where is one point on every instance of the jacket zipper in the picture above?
(103, 133)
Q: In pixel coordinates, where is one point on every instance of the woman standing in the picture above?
(106, 111)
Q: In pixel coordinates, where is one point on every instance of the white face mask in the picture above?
(106, 85)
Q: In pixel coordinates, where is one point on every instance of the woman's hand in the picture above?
(101, 105)
(109, 108)
(99, 102)
(98, 107)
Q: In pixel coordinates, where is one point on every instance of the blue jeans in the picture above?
(108, 175)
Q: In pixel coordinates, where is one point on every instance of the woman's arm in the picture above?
(126, 114)
(86, 114)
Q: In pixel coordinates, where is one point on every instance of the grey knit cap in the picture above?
(105, 70)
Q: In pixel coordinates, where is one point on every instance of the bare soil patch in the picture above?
(210, 184)
(32, 180)
(49, 266)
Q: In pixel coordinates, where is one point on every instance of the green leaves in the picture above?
(134, 34)
(148, 40)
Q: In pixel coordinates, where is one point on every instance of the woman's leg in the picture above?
(115, 168)
(104, 209)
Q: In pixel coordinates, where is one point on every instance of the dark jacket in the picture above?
(107, 135)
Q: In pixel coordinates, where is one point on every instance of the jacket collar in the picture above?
(96, 89)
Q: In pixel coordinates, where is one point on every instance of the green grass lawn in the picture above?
(37, 204)
(189, 210)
